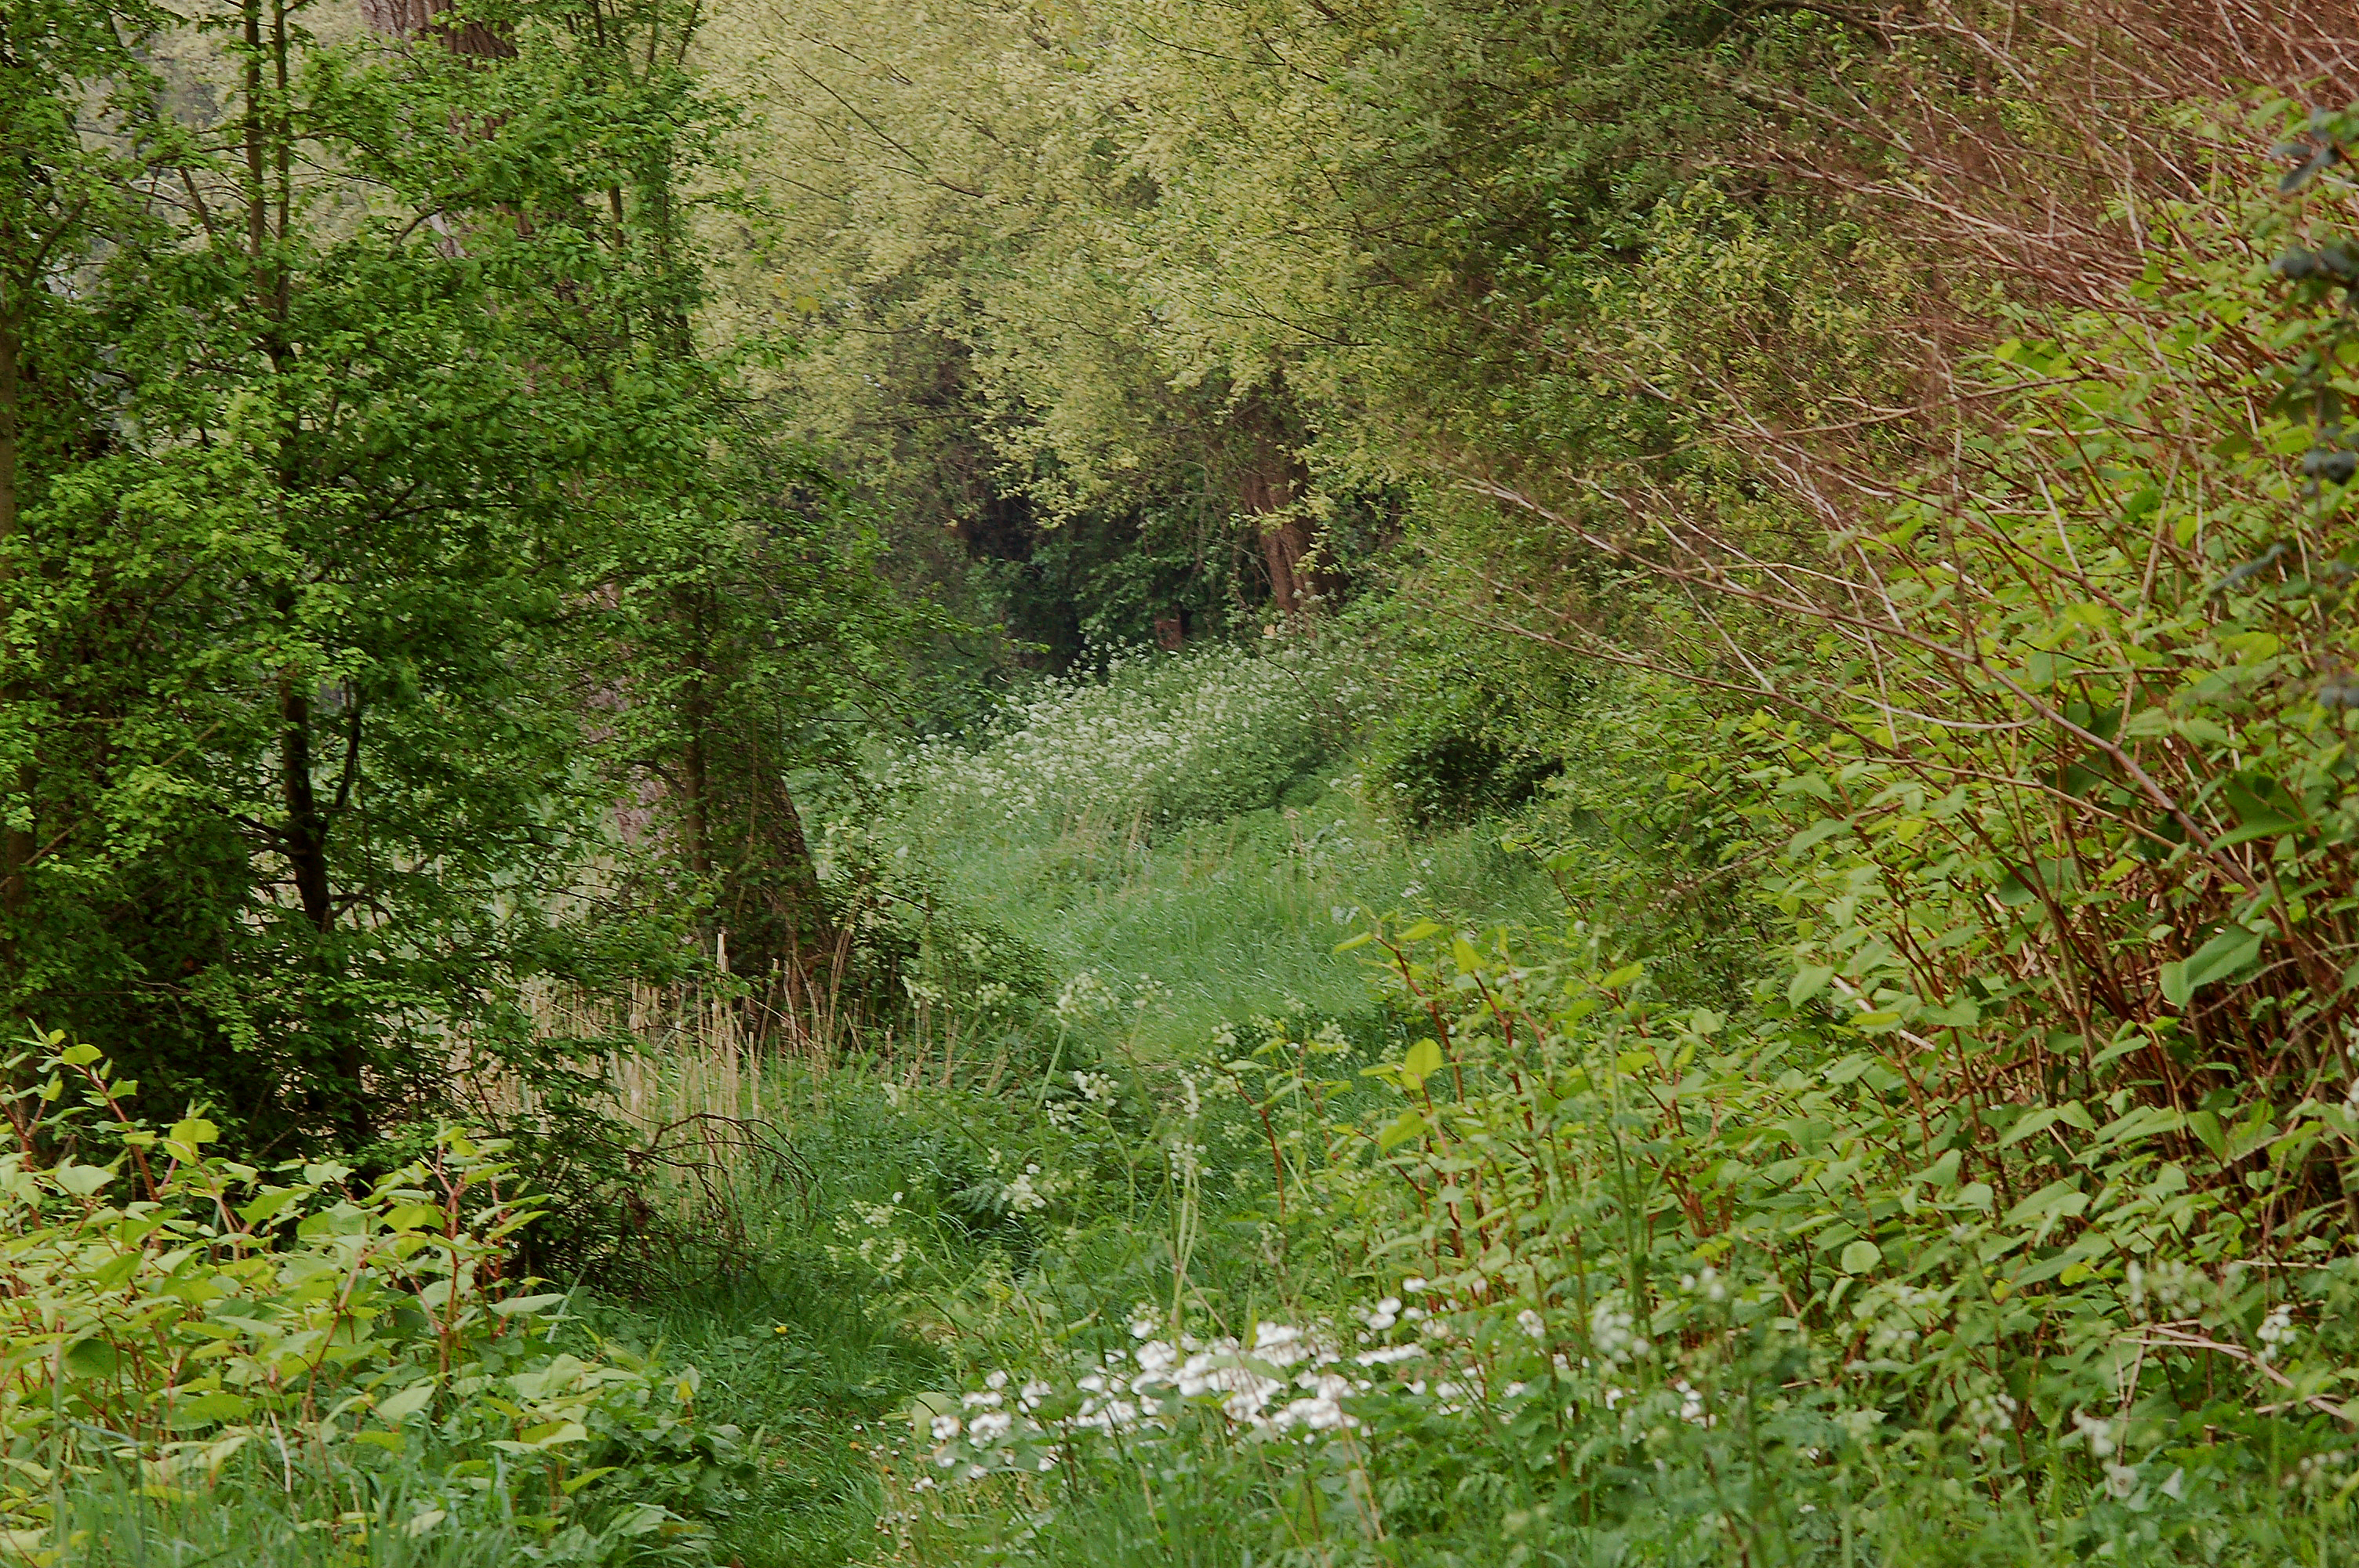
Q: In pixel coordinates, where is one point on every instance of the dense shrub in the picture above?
(338, 1356)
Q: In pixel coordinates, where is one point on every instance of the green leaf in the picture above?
(2220, 957)
(1849, 1068)
(1859, 1257)
(1960, 1012)
(82, 1180)
(93, 1358)
(1943, 1173)
(217, 1405)
(2031, 1124)
(601, 1472)
(267, 1202)
(1403, 1127)
(192, 1134)
(1424, 1060)
(1817, 833)
(1808, 982)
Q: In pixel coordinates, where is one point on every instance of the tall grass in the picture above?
(1193, 823)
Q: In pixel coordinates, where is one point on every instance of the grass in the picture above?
(812, 1373)
(817, 1354)
(1240, 917)
(247, 1522)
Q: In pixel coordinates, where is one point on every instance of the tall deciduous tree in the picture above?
(321, 599)
(72, 88)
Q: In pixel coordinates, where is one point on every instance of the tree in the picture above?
(330, 623)
(62, 196)
(958, 262)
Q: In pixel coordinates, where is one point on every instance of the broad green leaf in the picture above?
(2221, 956)
(1943, 1173)
(1423, 1060)
(82, 1180)
(1808, 982)
(215, 1404)
(1403, 1127)
(192, 1133)
(93, 1358)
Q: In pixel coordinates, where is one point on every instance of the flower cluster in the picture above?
(1287, 1379)
(1160, 737)
(871, 1239)
(1891, 1318)
(1991, 1417)
(2167, 1290)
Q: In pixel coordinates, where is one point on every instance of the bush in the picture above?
(347, 1359)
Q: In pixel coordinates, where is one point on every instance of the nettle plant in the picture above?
(1721, 1281)
(2043, 1146)
(2061, 757)
(174, 1321)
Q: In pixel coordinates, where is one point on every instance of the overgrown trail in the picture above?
(1567, 783)
(1002, 1151)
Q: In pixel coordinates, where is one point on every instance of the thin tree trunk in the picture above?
(16, 841)
(693, 783)
(306, 833)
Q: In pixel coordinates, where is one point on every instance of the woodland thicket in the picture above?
(1551, 781)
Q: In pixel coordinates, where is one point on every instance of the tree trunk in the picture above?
(694, 782)
(306, 833)
(1268, 483)
(408, 18)
(304, 842)
(16, 841)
